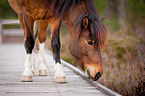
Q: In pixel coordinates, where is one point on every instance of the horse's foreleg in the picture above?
(55, 43)
(29, 44)
(42, 37)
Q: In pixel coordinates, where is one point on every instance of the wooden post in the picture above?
(0, 31)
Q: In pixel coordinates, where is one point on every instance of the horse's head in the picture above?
(85, 44)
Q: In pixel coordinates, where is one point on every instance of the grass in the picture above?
(123, 63)
(11, 26)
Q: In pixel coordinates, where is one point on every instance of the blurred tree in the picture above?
(116, 8)
(100, 6)
(111, 8)
(6, 11)
(135, 10)
(127, 11)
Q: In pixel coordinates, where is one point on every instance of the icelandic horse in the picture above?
(87, 34)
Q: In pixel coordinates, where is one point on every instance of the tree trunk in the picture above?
(111, 8)
(117, 8)
(121, 13)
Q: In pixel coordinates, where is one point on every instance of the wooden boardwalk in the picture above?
(12, 57)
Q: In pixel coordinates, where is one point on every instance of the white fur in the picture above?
(33, 65)
(28, 66)
(41, 57)
(58, 70)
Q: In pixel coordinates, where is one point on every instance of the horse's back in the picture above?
(34, 8)
(14, 4)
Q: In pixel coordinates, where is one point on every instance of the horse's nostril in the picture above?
(97, 76)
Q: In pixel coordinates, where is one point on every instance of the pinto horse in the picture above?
(86, 30)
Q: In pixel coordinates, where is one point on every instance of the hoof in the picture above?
(42, 73)
(61, 80)
(27, 79)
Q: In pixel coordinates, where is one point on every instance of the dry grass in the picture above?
(123, 61)
(124, 64)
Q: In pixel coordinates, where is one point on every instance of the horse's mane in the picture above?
(60, 7)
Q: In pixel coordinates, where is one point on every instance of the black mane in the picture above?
(60, 7)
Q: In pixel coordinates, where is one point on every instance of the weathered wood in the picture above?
(12, 58)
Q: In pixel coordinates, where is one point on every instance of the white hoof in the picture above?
(61, 80)
(27, 79)
(42, 73)
(59, 75)
(27, 72)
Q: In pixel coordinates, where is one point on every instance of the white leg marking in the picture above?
(58, 70)
(41, 57)
(28, 66)
(33, 65)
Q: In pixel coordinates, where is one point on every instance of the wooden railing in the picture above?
(3, 22)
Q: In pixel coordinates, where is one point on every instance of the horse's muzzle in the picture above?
(97, 76)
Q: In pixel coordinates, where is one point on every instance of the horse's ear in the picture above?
(85, 23)
(102, 18)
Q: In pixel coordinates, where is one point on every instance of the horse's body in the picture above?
(86, 30)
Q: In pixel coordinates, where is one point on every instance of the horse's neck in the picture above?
(72, 15)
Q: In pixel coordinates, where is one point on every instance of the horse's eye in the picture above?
(90, 42)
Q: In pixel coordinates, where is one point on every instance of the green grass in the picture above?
(11, 26)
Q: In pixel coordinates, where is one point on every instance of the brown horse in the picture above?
(86, 30)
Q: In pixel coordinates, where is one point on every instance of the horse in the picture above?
(87, 34)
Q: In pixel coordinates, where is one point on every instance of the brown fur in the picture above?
(81, 20)
(43, 24)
